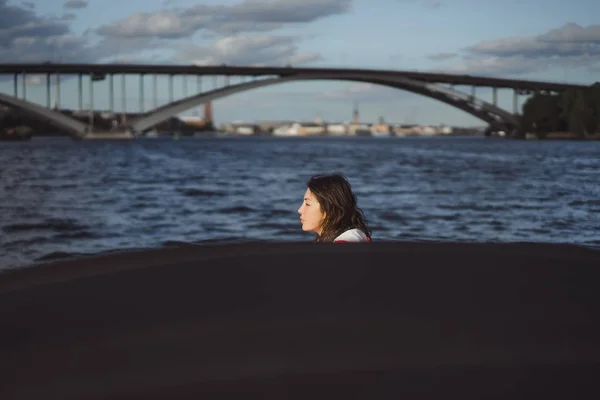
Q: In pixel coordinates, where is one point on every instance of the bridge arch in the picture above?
(493, 115)
(487, 112)
(61, 121)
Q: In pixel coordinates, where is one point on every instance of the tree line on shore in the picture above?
(12, 119)
(573, 111)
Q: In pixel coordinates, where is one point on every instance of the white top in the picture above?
(352, 235)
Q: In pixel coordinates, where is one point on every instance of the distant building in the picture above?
(208, 116)
(195, 121)
(300, 129)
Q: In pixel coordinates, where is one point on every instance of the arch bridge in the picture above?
(437, 86)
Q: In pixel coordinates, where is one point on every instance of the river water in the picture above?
(60, 197)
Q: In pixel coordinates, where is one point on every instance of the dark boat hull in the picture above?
(378, 320)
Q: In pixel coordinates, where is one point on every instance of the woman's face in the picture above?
(310, 212)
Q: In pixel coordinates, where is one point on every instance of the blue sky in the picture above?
(527, 39)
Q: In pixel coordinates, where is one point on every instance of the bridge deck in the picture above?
(454, 79)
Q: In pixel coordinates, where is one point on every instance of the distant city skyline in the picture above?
(526, 39)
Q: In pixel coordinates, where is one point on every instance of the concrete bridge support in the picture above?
(48, 91)
(141, 99)
(57, 102)
(123, 101)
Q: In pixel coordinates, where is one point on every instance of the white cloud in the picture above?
(76, 4)
(26, 36)
(570, 45)
(573, 33)
(248, 16)
(247, 50)
(442, 56)
(164, 24)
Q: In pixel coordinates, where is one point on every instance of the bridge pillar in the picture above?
(198, 83)
(184, 85)
(215, 83)
(473, 90)
(80, 90)
(48, 92)
(515, 102)
(170, 88)
(141, 93)
(91, 114)
(57, 103)
(24, 84)
(154, 91)
(16, 85)
(123, 100)
(111, 93)
(495, 96)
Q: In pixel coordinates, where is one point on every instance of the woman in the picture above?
(329, 209)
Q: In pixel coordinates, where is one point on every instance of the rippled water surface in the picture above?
(59, 196)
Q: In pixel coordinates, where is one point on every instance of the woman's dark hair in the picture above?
(338, 202)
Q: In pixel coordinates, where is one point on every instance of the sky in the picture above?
(554, 40)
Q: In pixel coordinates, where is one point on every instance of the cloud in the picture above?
(573, 33)
(35, 79)
(496, 66)
(21, 30)
(76, 4)
(163, 24)
(570, 45)
(29, 4)
(290, 11)
(41, 49)
(111, 49)
(26, 36)
(246, 50)
(442, 56)
(15, 20)
(434, 5)
(68, 17)
(248, 16)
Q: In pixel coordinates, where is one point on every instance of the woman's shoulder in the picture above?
(352, 235)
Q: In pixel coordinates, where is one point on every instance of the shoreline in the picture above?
(120, 136)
